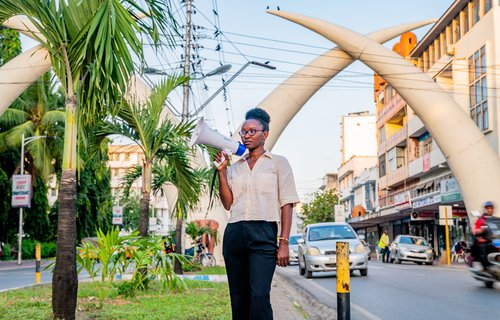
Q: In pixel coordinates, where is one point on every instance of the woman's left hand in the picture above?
(283, 255)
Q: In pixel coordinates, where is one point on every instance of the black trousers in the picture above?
(249, 250)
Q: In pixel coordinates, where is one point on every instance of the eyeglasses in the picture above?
(250, 132)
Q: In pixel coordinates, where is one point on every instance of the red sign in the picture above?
(426, 161)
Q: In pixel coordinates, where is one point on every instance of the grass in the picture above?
(203, 300)
(212, 270)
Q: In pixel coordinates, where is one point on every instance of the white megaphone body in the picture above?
(202, 134)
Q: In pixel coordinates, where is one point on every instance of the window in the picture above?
(381, 166)
(475, 12)
(466, 20)
(391, 160)
(478, 90)
(487, 6)
(127, 156)
(400, 157)
(456, 29)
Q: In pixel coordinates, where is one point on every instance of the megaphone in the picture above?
(202, 134)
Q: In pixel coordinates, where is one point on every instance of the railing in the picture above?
(392, 107)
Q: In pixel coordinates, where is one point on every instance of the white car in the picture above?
(294, 246)
(317, 249)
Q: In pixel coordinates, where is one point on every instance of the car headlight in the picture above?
(360, 249)
(428, 251)
(312, 251)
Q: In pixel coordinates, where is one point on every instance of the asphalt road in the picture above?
(407, 291)
(22, 277)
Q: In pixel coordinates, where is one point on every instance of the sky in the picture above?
(311, 142)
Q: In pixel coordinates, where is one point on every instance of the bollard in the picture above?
(343, 282)
(38, 257)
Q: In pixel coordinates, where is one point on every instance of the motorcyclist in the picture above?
(480, 231)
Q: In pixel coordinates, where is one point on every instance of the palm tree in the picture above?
(38, 111)
(91, 45)
(142, 123)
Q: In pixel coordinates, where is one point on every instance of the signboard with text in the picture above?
(117, 215)
(450, 192)
(445, 213)
(21, 191)
(402, 200)
(339, 213)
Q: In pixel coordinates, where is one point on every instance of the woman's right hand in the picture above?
(222, 158)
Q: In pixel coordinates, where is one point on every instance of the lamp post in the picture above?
(229, 81)
(20, 236)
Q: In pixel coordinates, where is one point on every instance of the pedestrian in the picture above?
(383, 245)
(259, 190)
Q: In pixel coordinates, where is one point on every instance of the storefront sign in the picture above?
(117, 215)
(422, 215)
(402, 200)
(426, 201)
(426, 162)
(445, 213)
(450, 192)
(21, 191)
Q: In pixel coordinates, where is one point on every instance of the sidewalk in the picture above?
(284, 305)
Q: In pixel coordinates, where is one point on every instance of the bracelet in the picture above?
(284, 239)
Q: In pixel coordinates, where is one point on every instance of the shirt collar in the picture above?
(266, 154)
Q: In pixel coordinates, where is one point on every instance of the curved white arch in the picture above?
(284, 102)
(472, 160)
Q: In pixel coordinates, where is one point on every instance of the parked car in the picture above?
(317, 250)
(410, 248)
(294, 246)
(367, 247)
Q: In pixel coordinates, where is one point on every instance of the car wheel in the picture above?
(428, 263)
(419, 263)
(489, 284)
(308, 273)
(364, 272)
(301, 270)
(397, 260)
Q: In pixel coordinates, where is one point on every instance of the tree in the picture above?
(91, 45)
(142, 123)
(320, 208)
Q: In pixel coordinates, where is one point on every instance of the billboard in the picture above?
(21, 191)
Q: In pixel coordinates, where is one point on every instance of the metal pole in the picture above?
(20, 235)
(447, 235)
(38, 257)
(343, 282)
(187, 61)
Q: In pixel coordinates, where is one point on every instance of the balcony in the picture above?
(394, 177)
(416, 127)
(392, 107)
(397, 139)
(434, 158)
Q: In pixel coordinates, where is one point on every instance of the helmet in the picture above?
(488, 204)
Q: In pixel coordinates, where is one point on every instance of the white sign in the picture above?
(339, 213)
(426, 201)
(117, 215)
(402, 200)
(444, 215)
(21, 191)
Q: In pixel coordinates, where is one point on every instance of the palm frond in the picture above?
(131, 176)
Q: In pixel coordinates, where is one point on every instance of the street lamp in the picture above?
(219, 70)
(20, 236)
(264, 65)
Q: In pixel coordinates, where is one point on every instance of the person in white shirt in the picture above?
(259, 190)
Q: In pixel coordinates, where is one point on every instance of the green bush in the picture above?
(48, 249)
(28, 249)
(6, 252)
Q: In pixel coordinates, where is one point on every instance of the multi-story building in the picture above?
(460, 53)
(330, 182)
(359, 150)
(124, 157)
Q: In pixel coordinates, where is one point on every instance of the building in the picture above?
(358, 137)
(122, 158)
(330, 182)
(359, 154)
(460, 53)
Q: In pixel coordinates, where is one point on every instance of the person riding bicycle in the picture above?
(480, 231)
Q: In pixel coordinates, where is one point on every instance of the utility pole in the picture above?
(179, 228)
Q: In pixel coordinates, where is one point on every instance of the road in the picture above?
(407, 291)
(22, 277)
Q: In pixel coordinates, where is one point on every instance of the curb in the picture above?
(205, 277)
(306, 300)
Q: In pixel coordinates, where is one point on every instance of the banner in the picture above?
(21, 191)
(117, 215)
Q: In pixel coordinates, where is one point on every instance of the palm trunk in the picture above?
(65, 279)
(146, 196)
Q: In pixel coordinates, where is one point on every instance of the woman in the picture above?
(260, 193)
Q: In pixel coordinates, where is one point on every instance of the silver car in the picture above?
(317, 249)
(411, 248)
(294, 246)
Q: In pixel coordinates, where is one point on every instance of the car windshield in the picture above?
(331, 233)
(293, 239)
(413, 240)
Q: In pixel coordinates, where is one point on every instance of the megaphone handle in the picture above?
(218, 164)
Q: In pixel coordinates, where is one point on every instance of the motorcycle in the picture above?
(492, 273)
(199, 255)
